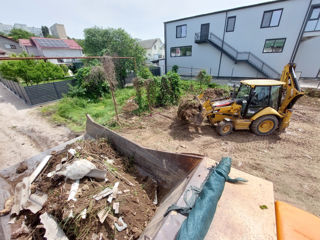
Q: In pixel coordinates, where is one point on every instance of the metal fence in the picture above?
(40, 93)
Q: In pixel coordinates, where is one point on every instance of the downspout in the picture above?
(165, 48)
(296, 46)
(224, 32)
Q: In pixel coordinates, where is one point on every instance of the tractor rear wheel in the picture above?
(224, 128)
(265, 125)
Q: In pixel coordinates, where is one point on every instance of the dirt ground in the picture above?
(23, 132)
(291, 160)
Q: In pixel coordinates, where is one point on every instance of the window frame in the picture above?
(234, 25)
(273, 10)
(285, 39)
(181, 31)
(313, 19)
(181, 47)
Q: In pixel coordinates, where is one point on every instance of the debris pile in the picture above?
(190, 110)
(86, 191)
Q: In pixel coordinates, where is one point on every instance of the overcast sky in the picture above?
(140, 18)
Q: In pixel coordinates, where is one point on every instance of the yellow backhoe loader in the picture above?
(260, 105)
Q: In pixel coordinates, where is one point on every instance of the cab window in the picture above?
(243, 92)
(259, 100)
(274, 99)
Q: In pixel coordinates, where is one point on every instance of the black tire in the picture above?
(257, 125)
(224, 128)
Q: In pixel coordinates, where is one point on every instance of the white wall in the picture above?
(247, 36)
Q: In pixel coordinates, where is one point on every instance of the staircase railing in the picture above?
(238, 56)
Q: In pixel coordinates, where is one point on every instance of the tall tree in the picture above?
(45, 31)
(16, 34)
(114, 42)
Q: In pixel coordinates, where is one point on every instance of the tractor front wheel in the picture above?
(265, 125)
(224, 128)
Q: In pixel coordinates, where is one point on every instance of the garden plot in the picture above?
(89, 191)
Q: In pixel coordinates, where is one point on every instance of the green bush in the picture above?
(91, 83)
(204, 78)
(145, 73)
(175, 68)
(30, 71)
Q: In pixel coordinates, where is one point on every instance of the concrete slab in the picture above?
(239, 216)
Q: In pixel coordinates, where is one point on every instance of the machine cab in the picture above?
(255, 95)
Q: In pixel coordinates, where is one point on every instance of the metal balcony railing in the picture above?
(249, 57)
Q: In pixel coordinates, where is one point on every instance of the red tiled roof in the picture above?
(25, 42)
(72, 44)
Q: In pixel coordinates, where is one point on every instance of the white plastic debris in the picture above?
(114, 192)
(78, 147)
(106, 192)
(115, 207)
(70, 214)
(155, 201)
(110, 161)
(122, 225)
(40, 167)
(126, 190)
(63, 160)
(81, 168)
(53, 231)
(72, 151)
(102, 215)
(73, 191)
(83, 214)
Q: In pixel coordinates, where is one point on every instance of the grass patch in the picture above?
(71, 111)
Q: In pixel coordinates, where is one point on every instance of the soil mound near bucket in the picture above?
(111, 199)
(189, 110)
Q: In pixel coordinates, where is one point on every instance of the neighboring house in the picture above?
(52, 47)
(154, 48)
(58, 31)
(255, 41)
(9, 46)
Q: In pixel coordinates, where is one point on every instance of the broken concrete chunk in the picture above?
(106, 192)
(102, 215)
(97, 173)
(53, 231)
(73, 191)
(116, 207)
(120, 225)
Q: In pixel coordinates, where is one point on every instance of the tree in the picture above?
(114, 42)
(45, 31)
(16, 34)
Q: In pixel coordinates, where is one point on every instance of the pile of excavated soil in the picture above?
(312, 92)
(214, 93)
(189, 110)
(135, 196)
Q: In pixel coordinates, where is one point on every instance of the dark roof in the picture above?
(146, 44)
(9, 38)
(226, 10)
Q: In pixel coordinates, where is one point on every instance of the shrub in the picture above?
(30, 71)
(145, 73)
(175, 68)
(203, 77)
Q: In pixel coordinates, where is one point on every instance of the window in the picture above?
(274, 45)
(231, 23)
(10, 46)
(271, 18)
(155, 47)
(181, 31)
(13, 47)
(313, 23)
(181, 51)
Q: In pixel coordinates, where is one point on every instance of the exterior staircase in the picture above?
(237, 56)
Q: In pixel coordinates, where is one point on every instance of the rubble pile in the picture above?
(86, 191)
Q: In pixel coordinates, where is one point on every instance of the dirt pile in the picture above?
(118, 205)
(312, 92)
(214, 93)
(189, 110)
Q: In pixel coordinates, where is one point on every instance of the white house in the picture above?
(154, 48)
(51, 47)
(247, 42)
